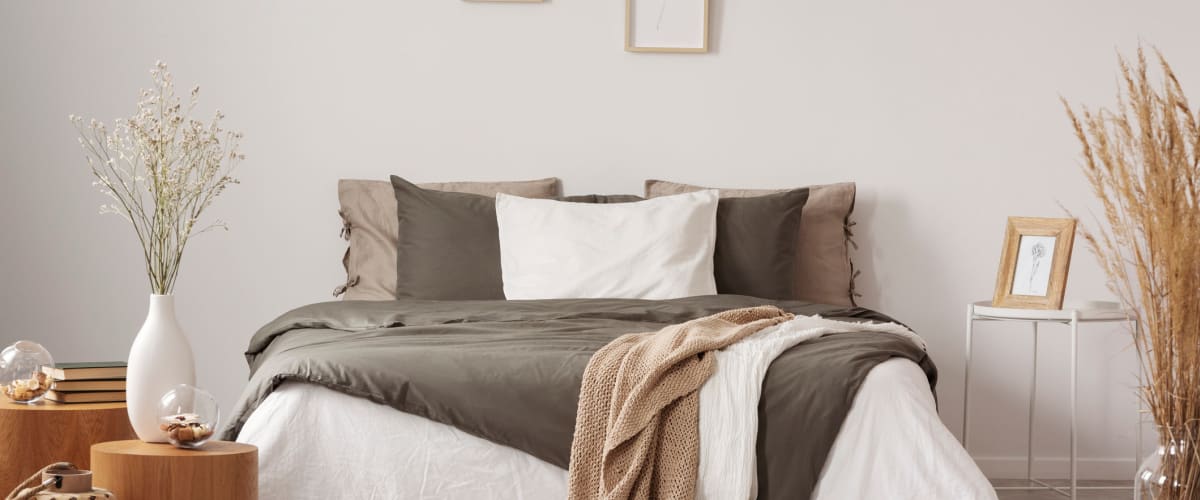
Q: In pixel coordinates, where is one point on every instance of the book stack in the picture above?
(102, 382)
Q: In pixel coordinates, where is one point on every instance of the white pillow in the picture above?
(655, 249)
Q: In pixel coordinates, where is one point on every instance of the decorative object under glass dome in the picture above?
(21, 375)
(189, 416)
(160, 170)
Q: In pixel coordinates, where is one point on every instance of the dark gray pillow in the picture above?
(757, 244)
(449, 247)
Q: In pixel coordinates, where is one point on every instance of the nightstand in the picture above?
(33, 436)
(984, 311)
(135, 470)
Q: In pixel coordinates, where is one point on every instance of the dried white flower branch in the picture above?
(162, 169)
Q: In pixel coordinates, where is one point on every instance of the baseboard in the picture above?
(1057, 467)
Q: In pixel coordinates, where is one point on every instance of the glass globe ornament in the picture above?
(21, 377)
(188, 416)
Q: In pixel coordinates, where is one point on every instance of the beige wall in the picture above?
(945, 113)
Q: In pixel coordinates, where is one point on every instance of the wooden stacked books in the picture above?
(102, 382)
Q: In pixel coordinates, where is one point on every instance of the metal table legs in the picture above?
(1073, 488)
(1032, 406)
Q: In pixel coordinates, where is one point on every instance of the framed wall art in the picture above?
(666, 25)
(1034, 263)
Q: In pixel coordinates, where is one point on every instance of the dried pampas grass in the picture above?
(1141, 159)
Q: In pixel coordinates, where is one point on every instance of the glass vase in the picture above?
(1170, 472)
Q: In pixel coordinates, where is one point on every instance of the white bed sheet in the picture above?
(318, 443)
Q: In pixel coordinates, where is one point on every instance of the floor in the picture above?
(1122, 494)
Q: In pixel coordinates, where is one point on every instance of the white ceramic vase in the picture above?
(160, 359)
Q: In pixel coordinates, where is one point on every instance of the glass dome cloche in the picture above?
(188, 416)
(21, 377)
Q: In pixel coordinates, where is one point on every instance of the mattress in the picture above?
(315, 443)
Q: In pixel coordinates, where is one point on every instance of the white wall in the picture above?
(944, 112)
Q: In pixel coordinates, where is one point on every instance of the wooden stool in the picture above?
(135, 470)
(33, 436)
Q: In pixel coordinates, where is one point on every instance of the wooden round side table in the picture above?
(135, 470)
(33, 436)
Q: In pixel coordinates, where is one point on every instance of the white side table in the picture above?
(983, 311)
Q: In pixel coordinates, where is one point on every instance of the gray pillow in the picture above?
(448, 248)
(757, 244)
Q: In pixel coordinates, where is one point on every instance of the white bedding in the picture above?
(318, 443)
(729, 401)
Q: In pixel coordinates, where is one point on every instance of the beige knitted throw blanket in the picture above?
(637, 431)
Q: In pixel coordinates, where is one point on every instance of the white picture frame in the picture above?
(666, 26)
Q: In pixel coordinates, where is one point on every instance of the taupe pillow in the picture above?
(823, 271)
(369, 218)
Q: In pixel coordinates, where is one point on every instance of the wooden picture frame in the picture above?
(682, 29)
(1034, 263)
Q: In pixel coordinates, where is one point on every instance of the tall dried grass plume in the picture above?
(1141, 159)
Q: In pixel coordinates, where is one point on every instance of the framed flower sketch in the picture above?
(1034, 263)
(666, 25)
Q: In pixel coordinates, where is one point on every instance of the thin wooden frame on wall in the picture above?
(1034, 263)
(666, 26)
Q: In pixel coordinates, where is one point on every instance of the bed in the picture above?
(486, 390)
(462, 363)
